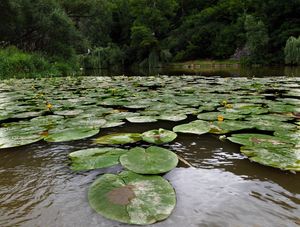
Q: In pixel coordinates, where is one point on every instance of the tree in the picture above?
(256, 40)
(292, 51)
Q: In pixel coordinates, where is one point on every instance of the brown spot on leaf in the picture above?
(258, 141)
(122, 195)
(255, 140)
(296, 115)
(44, 133)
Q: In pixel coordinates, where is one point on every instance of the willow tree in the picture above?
(292, 51)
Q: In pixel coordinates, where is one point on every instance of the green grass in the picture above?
(16, 63)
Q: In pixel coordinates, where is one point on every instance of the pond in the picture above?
(222, 188)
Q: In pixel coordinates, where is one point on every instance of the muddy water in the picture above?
(37, 188)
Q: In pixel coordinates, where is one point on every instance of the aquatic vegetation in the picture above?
(132, 198)
(260, 114)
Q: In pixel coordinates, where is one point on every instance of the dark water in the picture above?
(224, 188)
(223, 71)
(37, 187)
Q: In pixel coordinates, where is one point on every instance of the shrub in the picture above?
(14, 62)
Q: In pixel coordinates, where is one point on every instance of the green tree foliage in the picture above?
(292, 51)
(148, 32)
(256, 39)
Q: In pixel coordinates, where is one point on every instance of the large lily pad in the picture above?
(260, 140)
(274, 125)
(15, 140)
(277, 157)
(141, 119)
(223, 127)
(172, 117)
(119, 138)
(70, 134)
(153, 160)
(95, 158)
(19, 134)
(132, 198)
(213, 116)
(159, 136)
(112, 124)
(195, 127)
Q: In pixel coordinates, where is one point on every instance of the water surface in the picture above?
(37, 187)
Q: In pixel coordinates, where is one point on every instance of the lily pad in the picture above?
(95, 158)
(159, 136)
(141, 119)
(172, 117)
(213, 116)
(259, 140)
(70, 134)
(223, 127)
(277, 157)
(274, 125)
(153, 160)
(291, 136)
(132, 198)
(112, 124)
(15, 140)
(195, 127)
(119, 138)
(19, 134)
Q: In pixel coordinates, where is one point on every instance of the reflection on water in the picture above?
(227, 71)
(39, 189)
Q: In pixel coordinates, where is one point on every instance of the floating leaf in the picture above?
(19, 134)
(119, 138)
(259, 140)
(153, 160)
(112, 124)
(277, 157)
(290, 136)
(141, 119)
(213, 116)
(172, 117)
(223, 127)
(273, 125)
(95, 158)
(70, 134)
(195, 127)
(132, 198)
(159, 136)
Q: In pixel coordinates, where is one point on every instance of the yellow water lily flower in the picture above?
(220, 118)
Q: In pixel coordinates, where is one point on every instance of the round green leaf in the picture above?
(70, 134)
(112, 124)
(195, 127)
(259, 140)
(159, 136)
(95, 158)
(172, 117)
(277, 157)
(132, 198)
(19, 134)
(141, 119)
(223, 127)
(119, 138)
(153, 160)
(273, 125)
(213, 116)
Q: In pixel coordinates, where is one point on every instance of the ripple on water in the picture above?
(39, 189)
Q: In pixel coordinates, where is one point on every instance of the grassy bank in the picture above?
(16, 63)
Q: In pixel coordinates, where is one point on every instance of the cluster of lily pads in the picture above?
(261, 114)
(138, 195)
